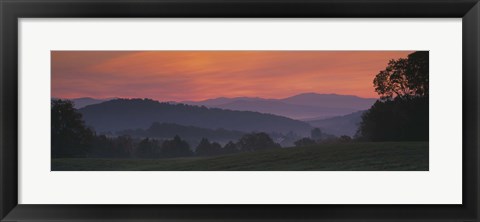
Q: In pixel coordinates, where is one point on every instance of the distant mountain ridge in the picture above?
(301, 106)
(86, 101)
(305, 106)
(123, 114)
(222, 100)
(285, 109)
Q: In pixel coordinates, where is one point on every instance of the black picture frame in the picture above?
(12, 10)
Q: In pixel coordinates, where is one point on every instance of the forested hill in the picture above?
(170, 130)
(121, 114)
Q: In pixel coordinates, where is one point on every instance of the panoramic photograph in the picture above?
(239, 110)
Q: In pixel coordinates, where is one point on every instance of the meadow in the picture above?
(358, 156)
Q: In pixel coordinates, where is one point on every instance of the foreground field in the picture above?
(396, 156)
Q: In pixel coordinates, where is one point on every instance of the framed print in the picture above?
(248, 128)
(279, 110)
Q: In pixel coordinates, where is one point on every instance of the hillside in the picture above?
(385, 156)
(122, 114)
(339, 125)
(169, 130)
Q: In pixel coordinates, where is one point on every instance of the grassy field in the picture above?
(395, 156)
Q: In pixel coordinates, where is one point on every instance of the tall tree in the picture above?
(404, 77)
(402, 112)
(70, 136)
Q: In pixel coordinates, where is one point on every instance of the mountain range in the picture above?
(334, 114)
(123, 114)
(302, 106)
(305, 106)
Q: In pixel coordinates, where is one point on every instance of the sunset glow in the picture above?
(199, 75)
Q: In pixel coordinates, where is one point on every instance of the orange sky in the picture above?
(198, 75)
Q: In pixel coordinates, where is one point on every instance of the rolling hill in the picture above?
(122, 114)
(169, 130)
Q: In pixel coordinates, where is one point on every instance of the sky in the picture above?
(200, 75)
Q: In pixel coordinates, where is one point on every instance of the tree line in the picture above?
(319, 137)
(190, 133)
(177, 147)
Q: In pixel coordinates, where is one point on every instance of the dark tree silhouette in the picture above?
(345, 139)
(304, 142)
(230, 147)
(217, 148)
(175, 148)
(147, 148)
(205, 148)
(402, 112)
(256, 141)
(316, 134)
(404, 77)
(417, 72)
(124, 146)
(103, 147)
(396, 120)
(70, 136)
